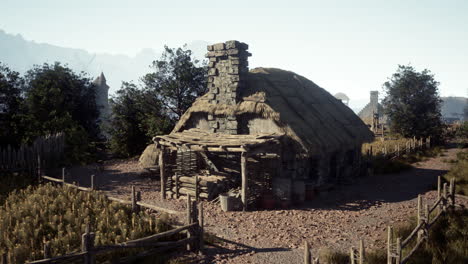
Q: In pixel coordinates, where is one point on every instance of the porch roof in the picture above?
(199, 140)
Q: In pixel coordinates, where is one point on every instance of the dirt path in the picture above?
(337, 219)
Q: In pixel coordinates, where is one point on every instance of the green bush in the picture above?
(59, 215)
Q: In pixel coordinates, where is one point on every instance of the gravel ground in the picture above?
(337, 219)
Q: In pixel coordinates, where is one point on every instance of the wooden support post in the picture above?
(244, 173)
(306, 253)
(93, 185)
(47, 250)
(398, 250)
(4, 258)
(398, 150)
(189, 219)
(196, 188)
(201, 232)
(63, 176)
(177, 185)
(87, 241)
(162, 174)
(361, 251)
(371, 151)
(352, 256)
(389, 245)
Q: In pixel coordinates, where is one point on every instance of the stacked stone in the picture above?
(228, 67)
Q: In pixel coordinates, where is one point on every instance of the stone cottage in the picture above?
(265, 130)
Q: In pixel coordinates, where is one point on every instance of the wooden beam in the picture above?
(244, 172)
(162, 174)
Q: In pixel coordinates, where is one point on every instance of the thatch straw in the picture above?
(304, 112)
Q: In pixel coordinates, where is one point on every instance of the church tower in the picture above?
(102, 93)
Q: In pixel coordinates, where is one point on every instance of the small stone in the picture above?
(218, 46)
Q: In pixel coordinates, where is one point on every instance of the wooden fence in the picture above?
(445, 199)
(193, 230)
(410, 146)
(45, 151)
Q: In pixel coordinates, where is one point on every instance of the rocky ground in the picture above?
(337, 219)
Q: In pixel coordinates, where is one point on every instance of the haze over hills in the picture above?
(20, 55)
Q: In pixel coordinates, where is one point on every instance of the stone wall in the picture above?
(228, 67)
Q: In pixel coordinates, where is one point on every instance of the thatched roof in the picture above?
(305, 112)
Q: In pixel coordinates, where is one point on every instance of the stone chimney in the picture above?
(227, 72)
(374, 101)
(227, 69)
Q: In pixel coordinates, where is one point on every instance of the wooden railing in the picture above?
(193, 230)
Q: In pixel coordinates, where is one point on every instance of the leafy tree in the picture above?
(177, 81)
(11, 107)
(60, 100)
(137, 116)
(413, 104)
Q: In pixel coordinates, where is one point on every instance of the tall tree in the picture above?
(177, 80)
(137, 116)
(60, 100)
(11, 107)
(412, 103)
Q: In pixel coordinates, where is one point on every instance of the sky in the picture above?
(343, 46)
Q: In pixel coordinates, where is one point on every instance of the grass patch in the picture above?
(459, 171)
(333, 257)
(385, 166)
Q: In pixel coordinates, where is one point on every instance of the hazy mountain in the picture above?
(20, 55)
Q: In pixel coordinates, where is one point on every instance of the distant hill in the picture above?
(452, 107)
(20, 55)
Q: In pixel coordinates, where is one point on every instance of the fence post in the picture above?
(306, 253)
(419, 217)
(4, 258)
(389, 245)
(444, 197)
(398, 249)
(361, 251)
(63, 176)
(39, 172)
(87, 244)
(352, 256)
(135, 207)
(452, 192)
(47, 250)
(92, 182)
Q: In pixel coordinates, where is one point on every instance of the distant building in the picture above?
(373, 113)
(343, 98)
(102, 98)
